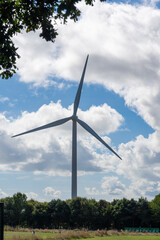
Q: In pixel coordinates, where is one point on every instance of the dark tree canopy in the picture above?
(31, 15)
(81, 213)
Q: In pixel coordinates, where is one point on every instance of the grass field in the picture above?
(87, 235)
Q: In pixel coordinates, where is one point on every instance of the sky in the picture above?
(120, 101)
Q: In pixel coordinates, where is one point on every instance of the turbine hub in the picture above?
(74, 118)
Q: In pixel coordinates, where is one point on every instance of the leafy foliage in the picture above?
(58, 213)
(155, 209)
(31, 15)
(81, 213)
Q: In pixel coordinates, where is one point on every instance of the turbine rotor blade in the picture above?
(52, 124)
(78, 95)
(91, 131)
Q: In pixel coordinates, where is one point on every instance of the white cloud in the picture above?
(100, 117)
(112, 186)
(51, 192)
(49, 151)
(123, 57)
(92, 191)
(141, 157)
(140, 165)
(3, 99)
(152, 3)
(143, 188)
(32, 195)
(137, 175)
(3, 194)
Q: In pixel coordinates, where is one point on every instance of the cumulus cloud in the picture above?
(142, 156)
(51, 192)
(31, 195)
(3, 99)
(141, 163)
(112, 186)
(101, 118)
(123, 58)
(137, 175)
(92, 191)
(3, 194)
(49, 151)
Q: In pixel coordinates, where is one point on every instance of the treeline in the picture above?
(81, 213)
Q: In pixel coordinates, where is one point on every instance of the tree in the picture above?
(144, 212)
(58, 214)
(104, 217)
(124, 213)
(83, 212)
(31, 15)
(14, 209)
(39, 215)
(92, 214)
(155, 210)
(29, 212)
(77, 207)
(19, 205)
(8, 211)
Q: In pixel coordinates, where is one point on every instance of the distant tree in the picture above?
(83, 212)
(92, 214)
(58, 213)
(31, 15)
(39, 215)
(155, 210)
(104, 218)
(144, 212)
(8, 211)
(132, 206)
(124, 213)
(14, 209)
(76, 212)
(19, 204)
(29, 217)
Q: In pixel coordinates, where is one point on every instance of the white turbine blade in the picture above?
(91, 131)
(52, 124)
(78, 95)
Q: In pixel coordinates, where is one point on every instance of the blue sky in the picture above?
(119, 100)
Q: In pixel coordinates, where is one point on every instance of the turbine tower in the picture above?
(74, 119)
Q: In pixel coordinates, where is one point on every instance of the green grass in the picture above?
(126, 237)
(28, 235)
(83, 235)
(46, 236)
(129, 237)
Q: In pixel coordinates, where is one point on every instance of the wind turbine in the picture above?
(74, 119)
